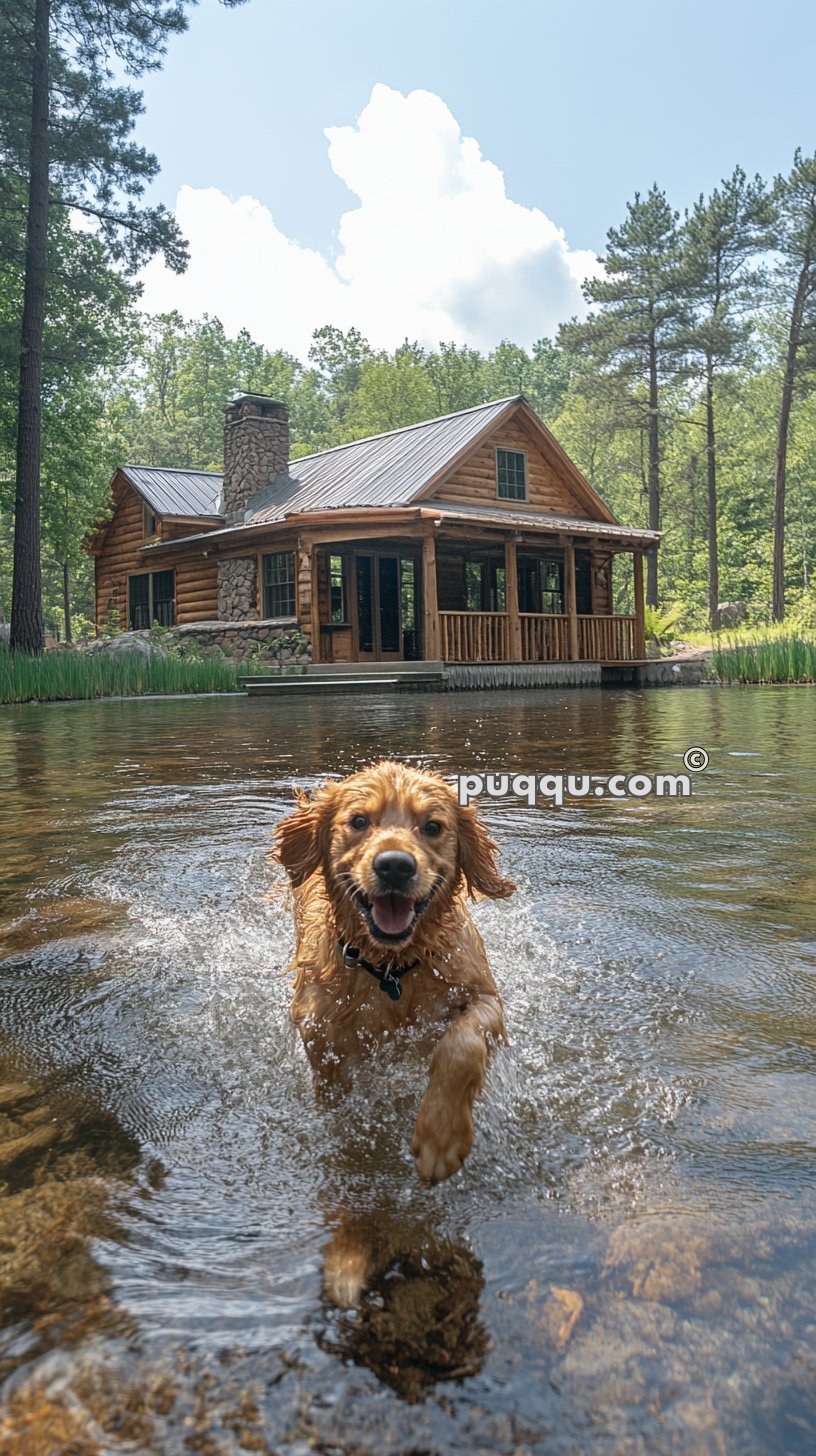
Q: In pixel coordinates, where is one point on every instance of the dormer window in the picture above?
(511, 475)
(150, 523)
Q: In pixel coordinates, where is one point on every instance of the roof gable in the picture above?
(554, 482)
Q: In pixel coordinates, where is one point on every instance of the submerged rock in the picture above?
(659, 1258)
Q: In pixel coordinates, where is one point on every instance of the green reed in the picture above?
(769, 660)
(62, 675)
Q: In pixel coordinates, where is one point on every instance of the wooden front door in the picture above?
(379, 618)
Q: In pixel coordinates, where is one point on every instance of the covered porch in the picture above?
(437, 590)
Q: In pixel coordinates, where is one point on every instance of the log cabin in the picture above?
(472, 538)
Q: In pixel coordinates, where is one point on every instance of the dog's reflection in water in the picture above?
(409, 1302)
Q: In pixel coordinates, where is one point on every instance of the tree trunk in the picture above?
(654, 473)
(26, 603)
(711, 460)
(66, 602)
(781, 467)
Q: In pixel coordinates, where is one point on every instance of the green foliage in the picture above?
(803, 616)
(662, 623)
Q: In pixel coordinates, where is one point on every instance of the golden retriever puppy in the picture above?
(381, 864)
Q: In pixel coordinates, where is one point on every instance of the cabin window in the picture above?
(511, 474)
(485, 585)
(337, 589)
(149, 522)
(279, 584)
(151, 598)
(408, 593)
(541, 585)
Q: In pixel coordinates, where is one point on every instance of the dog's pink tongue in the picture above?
(392, 913)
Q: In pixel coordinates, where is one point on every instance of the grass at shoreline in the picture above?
(770, 659)
(67, 676)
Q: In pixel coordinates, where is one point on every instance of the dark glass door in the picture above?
(388, 581)
(365, 604)
(583, 583)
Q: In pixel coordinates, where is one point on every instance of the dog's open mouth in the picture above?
(390, 917)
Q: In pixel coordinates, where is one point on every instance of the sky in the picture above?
(449, 170)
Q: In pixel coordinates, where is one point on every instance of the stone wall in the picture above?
(256, 450)
(279, 640)
(238, 589)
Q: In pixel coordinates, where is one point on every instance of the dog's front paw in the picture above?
(442, 1139)
(346, 1268)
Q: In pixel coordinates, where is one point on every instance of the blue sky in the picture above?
(576, 106)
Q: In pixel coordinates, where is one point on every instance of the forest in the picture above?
(687, 394)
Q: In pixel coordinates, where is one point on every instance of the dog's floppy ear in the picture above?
(477, 858)
(297, 838)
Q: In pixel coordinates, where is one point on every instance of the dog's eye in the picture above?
(432, 828)
(358, 821)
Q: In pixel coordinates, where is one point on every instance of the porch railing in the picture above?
(543, 637)
(487, 637)
(606, 639)
(474, 637)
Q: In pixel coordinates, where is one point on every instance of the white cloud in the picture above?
(434, 250)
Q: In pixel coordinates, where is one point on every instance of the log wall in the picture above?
(196, 589)
(119, 556)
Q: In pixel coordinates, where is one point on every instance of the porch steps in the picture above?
(334, 679)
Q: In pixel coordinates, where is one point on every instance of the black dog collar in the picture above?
(387, 975)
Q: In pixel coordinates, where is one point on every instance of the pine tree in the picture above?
(65, 128)
(635, 335)
(795, 241)
(722, 238)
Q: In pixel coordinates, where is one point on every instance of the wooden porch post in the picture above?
(640, 633)
(569, 602)
(511, 601)
(430, 603)
(308, 604)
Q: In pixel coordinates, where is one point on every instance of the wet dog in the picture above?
(381, 865)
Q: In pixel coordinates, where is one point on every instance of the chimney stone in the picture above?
(256, 450)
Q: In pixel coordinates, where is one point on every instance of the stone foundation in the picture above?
(280, 640)
(238, 589)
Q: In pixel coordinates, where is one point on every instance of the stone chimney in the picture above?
(256, 450)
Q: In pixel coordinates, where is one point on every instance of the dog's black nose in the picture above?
(395, 867)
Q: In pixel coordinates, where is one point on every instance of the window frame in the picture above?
(342, 585)
(149, 515)
(151, 599)
(269, 586)
(512, 499)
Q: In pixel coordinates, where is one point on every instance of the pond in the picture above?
(627, 1261)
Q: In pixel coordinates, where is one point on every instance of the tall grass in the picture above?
(767, 659)
(58, 676)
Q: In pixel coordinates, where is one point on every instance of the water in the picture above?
(626, 1263)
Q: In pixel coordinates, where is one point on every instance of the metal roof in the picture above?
(384, 470)
(507, 515)
(177, 492)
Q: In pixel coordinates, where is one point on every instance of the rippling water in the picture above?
(626, 1262)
